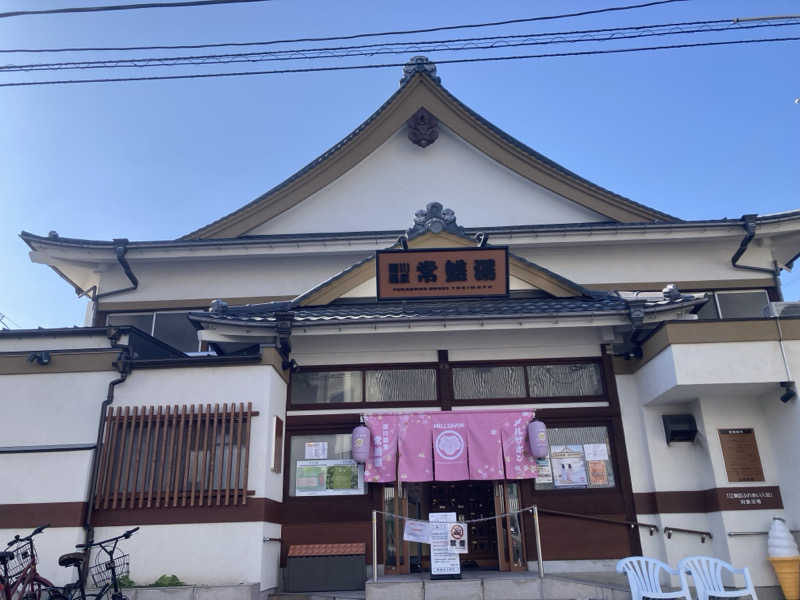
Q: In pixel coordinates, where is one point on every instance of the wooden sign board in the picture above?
(749, 498)
(442, 273)
(739, 449)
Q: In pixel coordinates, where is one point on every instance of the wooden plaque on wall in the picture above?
(739, 449)
(442, 273)
(277, 444)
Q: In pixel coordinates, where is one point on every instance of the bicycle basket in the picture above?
(101, 569)
(24, 554)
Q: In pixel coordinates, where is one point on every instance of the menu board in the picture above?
(329, 478)
(739, 449)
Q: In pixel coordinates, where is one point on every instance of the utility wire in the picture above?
(85, 9)
(10, 320)
(393, 65)
(487, 43)
(354, 36)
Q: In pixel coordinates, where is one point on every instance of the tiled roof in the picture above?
(434, 310)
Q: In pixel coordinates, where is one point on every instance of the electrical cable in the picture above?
(357, 35)
(495, 42)
(85, 9)
(394, 65)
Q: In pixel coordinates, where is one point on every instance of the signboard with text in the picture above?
(444, 563)
(740, 452)
(442, 273)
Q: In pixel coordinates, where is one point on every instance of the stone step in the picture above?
(553, 587)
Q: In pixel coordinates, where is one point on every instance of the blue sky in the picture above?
(698, 133)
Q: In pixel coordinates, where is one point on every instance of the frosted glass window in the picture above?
(326, 387)
(401, 385)
(472, 383)
(742, 305)
(547, 381)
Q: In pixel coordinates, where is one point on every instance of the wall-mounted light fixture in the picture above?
(42, 358)
(679, 428)
(789, 391)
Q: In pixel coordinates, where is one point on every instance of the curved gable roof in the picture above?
(423, 91)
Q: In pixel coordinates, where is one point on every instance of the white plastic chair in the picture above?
(707, 575)
(644, 578)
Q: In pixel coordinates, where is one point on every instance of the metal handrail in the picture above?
(631, 524)
(737, 533)
(703, 534)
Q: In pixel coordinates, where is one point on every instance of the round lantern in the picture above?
(360, 446)
(537, 439)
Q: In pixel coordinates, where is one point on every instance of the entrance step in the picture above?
(500, 586)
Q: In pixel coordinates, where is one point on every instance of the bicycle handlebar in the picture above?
(36, 531)
(125, 535)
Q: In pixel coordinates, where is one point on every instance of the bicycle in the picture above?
(105, 572)
(21, 580)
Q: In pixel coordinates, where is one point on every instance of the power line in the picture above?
(10, 320)
(477, 43)
(85, 9)
(354, 36)
(393, 65)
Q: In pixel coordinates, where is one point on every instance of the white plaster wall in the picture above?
(218, 385)
(783, 425)
(52, 408)
(270, 557)
(45, 477)
(9, 343)
(422, 347)
(635, 436)
(291, 273)
(682, 371)
(384, 190)
(56, 408)
(231, 278)
(646, 261)
(198, 553)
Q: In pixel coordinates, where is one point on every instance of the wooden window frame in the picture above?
(444, 384)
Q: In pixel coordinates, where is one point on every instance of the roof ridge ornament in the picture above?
(419, 64)
(435, 218)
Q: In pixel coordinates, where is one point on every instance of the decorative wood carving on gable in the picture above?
(423, 128)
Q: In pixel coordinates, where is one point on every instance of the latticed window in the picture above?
(174, 456)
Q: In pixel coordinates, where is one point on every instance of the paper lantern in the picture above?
(360, 447)
(537, 439)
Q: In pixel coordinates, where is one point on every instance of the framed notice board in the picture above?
(739, 449)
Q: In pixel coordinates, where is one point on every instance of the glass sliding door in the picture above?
(510, 541)
(395, 555)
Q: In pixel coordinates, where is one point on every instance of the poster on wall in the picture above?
(544, 471)
(444, 563)
(569, 469)
(598, 474)
(341, 477)
(316, 450)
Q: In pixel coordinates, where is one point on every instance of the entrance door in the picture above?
(395, 550)
(471, 501)
(510, 541)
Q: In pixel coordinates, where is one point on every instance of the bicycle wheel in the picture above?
(36, 589)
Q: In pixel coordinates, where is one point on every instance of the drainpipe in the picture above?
(749, 223)
(121, 249)
(123, 366)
